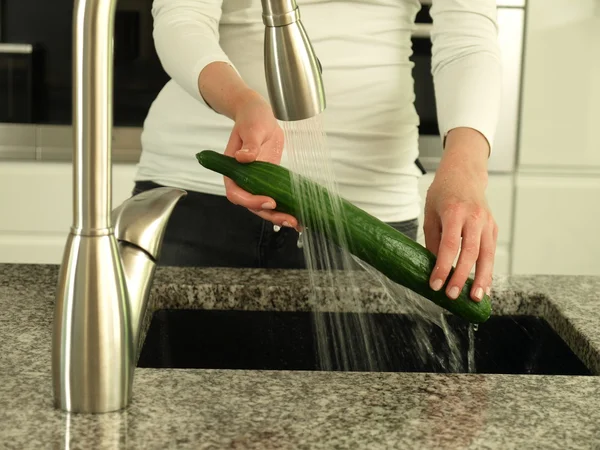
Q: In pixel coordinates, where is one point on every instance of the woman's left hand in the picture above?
(457, 216)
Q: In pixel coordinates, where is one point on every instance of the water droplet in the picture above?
(475, 326)
(300, 243)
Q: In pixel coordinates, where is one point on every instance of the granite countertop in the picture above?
(214, 409)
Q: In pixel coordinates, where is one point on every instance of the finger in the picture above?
(278, 218)
(433, 233)
(447, 251)
(270, 151)
(243, 151)
(469, 252)
(238, 196)
(246, 155)
(233, 145)
(251, 145)
(485, 262)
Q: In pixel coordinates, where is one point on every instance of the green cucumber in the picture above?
(396, 256)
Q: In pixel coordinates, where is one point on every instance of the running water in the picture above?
(350, 342)
(351, 345)
(471, 353)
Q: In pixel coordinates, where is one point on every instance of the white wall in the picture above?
(557, 230)
(561, 85)
(557, 208)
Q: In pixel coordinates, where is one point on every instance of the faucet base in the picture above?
(92, 346)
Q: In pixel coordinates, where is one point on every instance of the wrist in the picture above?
(242, 98)
(468, 150)
(223, 89)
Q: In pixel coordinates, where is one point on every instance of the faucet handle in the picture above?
(141, 220)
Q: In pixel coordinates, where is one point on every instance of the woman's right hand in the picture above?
(256, 136)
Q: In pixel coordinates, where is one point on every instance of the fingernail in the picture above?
(453, 294)
(437, 284)
(488, 291)
(287, 224)
(243, 150)
(479, 293)
(268, 205)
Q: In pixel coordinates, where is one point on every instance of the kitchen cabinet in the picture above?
(37, 203)
(561, 86)
(500, 198)
(36, 200)
(556, 226)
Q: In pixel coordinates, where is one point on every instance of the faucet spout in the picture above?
(293, 71)
(140, 223)
(104, 278)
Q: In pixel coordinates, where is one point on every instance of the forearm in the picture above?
(223, 89)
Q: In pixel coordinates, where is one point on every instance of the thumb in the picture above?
(242, 150)
(249, 151)
(234, 144)
(252, 139)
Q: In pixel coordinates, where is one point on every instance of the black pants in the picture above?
(209, 231)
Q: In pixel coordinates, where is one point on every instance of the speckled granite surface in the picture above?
(205, 409)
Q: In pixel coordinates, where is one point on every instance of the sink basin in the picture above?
(264, 340)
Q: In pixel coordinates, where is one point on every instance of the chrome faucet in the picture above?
(110, 256)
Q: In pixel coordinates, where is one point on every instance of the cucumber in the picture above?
(396, 256)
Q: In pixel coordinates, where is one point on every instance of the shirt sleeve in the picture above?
(466, 65)
(186, 37)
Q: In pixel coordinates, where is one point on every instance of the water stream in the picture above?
(333, 275)
(471, 353)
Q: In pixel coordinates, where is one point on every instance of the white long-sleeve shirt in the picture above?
(364, 47)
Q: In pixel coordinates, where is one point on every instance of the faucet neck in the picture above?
(278, 13)
(92, 116)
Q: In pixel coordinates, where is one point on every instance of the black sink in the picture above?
(257, 340)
